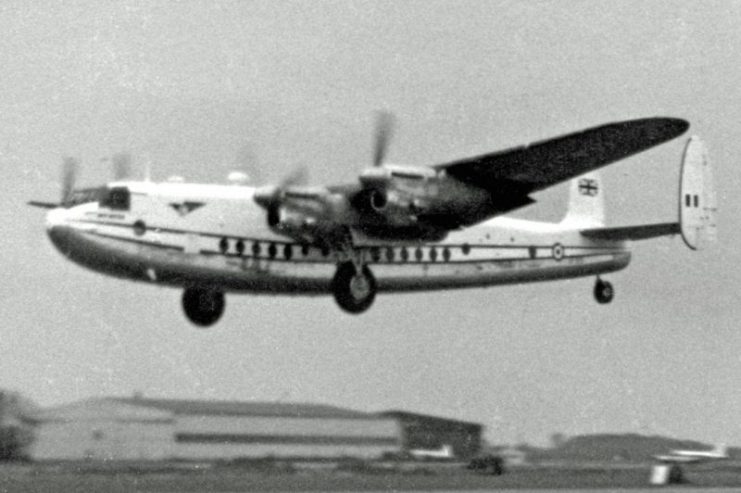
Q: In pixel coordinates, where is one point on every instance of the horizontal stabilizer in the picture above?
(632, 232)
(43, 205)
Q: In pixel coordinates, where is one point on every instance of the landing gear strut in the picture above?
(603, 291)
(354, 288)
(203, 306)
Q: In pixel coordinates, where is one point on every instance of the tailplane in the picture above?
(586, 203)
(697, 206)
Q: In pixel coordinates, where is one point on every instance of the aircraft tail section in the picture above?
(697, 200)
(697, 206)
(586, 202)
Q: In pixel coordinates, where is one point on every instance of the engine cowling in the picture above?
(378, 200)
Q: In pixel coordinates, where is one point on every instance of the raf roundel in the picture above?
(557, 251)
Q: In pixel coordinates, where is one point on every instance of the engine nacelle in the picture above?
(378, 200)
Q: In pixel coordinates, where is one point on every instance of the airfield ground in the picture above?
(193, 477)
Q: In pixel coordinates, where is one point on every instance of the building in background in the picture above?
(155, 429)
(423, 432)
(16, 431)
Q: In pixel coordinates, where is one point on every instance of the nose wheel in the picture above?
(203, 306)
(603, 291)
(354, 288)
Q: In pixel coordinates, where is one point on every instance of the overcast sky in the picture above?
(201, 88)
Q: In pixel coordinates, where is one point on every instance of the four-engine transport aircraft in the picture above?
(399, 228)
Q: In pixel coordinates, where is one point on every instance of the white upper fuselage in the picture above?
(216, 235)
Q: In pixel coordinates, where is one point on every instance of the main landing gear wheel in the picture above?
(353, 291)
(203, 306)
(603, 291)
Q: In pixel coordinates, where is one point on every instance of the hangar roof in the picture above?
(432, 421)
(241, 408)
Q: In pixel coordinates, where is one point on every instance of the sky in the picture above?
(198, 89)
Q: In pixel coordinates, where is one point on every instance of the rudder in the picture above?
(697, 200)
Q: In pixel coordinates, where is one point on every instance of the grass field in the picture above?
(162, 477)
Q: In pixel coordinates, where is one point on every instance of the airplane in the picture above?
(400, 228)
(444, 452)
(720, 452)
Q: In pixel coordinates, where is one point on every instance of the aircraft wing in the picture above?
(527, 169)
(677, 459)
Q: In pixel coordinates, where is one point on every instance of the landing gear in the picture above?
(203, 306)
(354, 288)
(603, 291)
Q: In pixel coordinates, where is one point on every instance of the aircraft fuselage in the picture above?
(217, 236)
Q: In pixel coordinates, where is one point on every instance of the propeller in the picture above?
(70, 169)
(271, 196)
(121, 166)
(384, 129)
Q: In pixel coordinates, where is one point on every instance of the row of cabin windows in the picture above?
(376, 253)
(690, 199)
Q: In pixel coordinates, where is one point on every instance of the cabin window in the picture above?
(140, 227)
(272, 250)
(446, 254)
(697, 201)
(224, 245)
(418, 254)
(375, 254)
(390, 254)
(466, 249)
(433, 254)
(117, 199)
(288, 251)
(240, 247)
(404, 254)
(687, 200)
(305, 250)
(256, 249)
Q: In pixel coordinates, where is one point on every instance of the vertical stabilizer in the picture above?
(586, 202)
(697, 201)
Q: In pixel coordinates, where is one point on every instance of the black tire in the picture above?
(603, 292)
(351, 297)
(203, 306)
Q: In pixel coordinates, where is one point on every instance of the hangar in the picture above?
(421, 431)
(150, 429)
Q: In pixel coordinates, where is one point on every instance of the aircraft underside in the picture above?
(296, 269)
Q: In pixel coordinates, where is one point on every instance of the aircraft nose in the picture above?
(58, 230)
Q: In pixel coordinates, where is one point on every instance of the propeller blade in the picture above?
(298, 177)
(69, 178)
(121, 166)
(384, 129)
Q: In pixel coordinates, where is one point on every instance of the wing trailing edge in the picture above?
(542, 164)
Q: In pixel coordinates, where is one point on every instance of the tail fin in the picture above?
(586, 202)
(697, 200)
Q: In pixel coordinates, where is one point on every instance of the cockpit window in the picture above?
(117, 198)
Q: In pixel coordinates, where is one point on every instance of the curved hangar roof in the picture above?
(237, 408)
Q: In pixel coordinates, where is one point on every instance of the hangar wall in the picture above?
(153, 429)
(100, 430)
(421, 431)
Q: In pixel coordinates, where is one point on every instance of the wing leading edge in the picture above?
(537, 166)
